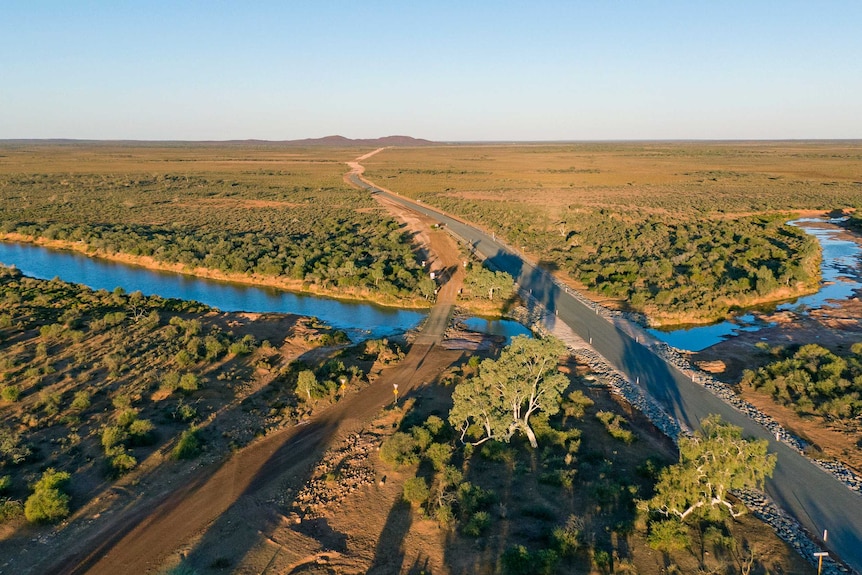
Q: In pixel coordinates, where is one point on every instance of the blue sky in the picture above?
(443, 70)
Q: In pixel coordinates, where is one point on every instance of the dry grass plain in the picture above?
(733, 178)
(683, 232)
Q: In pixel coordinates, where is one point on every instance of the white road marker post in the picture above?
(395, 391)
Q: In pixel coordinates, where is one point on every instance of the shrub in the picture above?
(614, 424)
(11, 448)
(10, 509)
(399, 449)
(48, 503)
(141, 432)
(434, 425)
(576, 403)
(496, 451)
(188, 446)
(439, 455)
(184, 412)
(416, 490)
(126, 417)
(184, 358)
(566, 538)
(189, 382)
(602, 559)
(171, 381)
(123, 462)
(112, 436)
(517, 561)
(11, 393)
(81, 401)
(422, 437)
(478, 524)
(5, 483)
(242, 347)
(472, 498)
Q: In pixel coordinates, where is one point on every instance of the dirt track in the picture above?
(231, 495)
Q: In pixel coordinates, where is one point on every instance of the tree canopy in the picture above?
(499, 401)
(483, 282)
(714, 462)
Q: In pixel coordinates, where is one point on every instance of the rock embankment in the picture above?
(341, 472)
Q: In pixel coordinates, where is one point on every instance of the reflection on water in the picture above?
(840, 276)
(360, 320)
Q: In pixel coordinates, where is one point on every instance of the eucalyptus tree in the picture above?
(507, 392)
(712, 463)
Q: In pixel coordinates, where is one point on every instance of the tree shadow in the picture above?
(389, 554)
(320, 530)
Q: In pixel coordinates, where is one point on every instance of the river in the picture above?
(360, 320)
(840, 278)
(839, 269)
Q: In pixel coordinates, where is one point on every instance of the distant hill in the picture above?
(341, 141)
(328, 141)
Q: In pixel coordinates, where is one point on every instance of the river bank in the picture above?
(281, 283)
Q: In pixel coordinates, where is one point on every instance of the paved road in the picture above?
(814, 497)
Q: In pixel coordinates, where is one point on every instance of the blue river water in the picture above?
(360, 320)
(840, 271)
(839, 268)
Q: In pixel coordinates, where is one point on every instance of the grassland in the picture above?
(684, 232)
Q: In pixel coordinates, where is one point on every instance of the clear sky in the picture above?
(443, 70)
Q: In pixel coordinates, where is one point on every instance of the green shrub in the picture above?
(478, 524)
(566, 539)
(184, 412)
(517, 561)
(171, 381)
(81, 401)
(11, 448)
(416, 490)
(472, 498)
(564, 478)
(188, 446)
(184, 358)
(614, 424)
(112, 436)
(576, 404)
(5, 483)
(422, 437)
(435, 425)
(189, 382)
(399, 449)
(123, 462)
(602, 559)
(126, 417)
(141, 432)
(10, 509)
(48, 503)
(439, 454)
(496, 451)
(10, 393)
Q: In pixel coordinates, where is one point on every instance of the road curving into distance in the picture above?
(815, 498)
